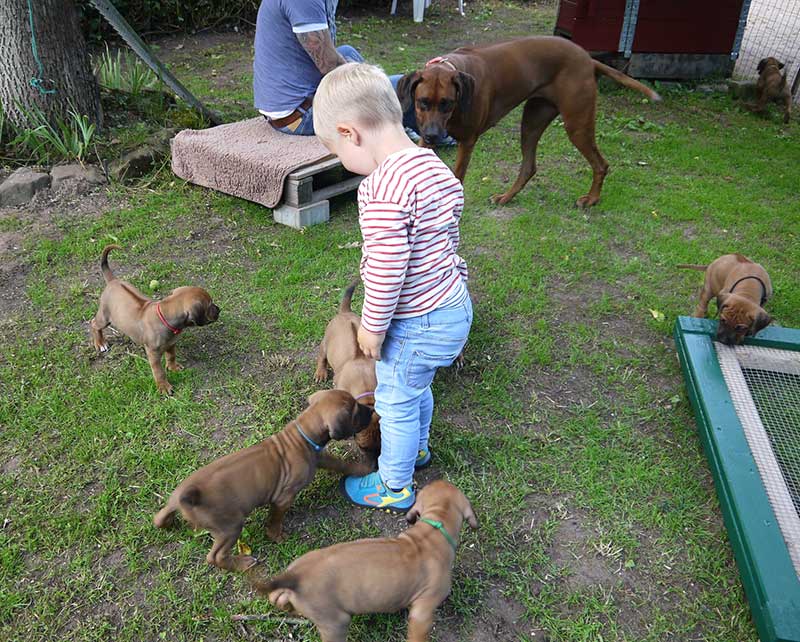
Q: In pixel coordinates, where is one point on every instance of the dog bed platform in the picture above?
(746, 401)
(293, 175)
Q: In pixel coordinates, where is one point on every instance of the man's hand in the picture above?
(319, 47)
(370, 343)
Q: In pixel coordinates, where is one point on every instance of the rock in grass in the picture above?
(20, 187)
(140, 161)
(76, 172)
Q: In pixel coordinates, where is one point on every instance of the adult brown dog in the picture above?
(383, 575)
(772, 87)
(469, 90)
(352, 370)
(154, 324)
(741, 287)
(219, 497)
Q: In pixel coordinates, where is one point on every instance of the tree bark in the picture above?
(65, 62)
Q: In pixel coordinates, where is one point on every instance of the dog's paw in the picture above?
(275, 535)
(585, 202)
(320, 375)
(165, 387)
(175, 367)
(500, 199)
(101, 348)
(459, 362)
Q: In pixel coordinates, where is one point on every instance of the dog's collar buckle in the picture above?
(171, 328)
(440, 60)
(317, 448)
(440, 527)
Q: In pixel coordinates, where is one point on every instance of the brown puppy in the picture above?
(772, 87)
(741, 287)
(469, 90)
(219, 497)
(154, 324)
(383, 575)
(352, 370)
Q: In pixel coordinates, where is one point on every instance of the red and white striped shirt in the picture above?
(409, 209)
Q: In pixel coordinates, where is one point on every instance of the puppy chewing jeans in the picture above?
(412, 352)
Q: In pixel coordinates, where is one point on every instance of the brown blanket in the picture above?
(248, 159)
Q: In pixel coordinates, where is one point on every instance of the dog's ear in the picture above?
(780, 65)
(465, 89)
(761, 322)
(406, 87)
(761, 64)
(414, 512)
(721, 298)
(469, 515)
(362, 415)
(316, 397)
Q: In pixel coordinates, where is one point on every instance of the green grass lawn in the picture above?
(569, 428)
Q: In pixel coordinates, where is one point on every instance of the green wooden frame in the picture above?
(769, 579)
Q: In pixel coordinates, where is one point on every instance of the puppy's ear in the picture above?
(721, 298)
(316, 397)
(469, 515)
(406, 87)
(760, 322)
(761, 64)
(414, 512)
(465, 89)
(781, 65)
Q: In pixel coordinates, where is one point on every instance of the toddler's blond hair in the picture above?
(358, 93)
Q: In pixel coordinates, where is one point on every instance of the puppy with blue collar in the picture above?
(221, 495)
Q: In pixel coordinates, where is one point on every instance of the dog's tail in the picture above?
(280, 590)
(692, 266)
(108, 275)
(347, 299)
(164, 517)
(624, 79)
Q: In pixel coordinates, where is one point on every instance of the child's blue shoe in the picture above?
(423, 459)
(369, 491)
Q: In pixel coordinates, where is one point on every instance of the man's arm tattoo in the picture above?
(319, 47)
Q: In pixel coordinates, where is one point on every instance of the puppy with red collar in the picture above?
(741, 287)
(153, 324)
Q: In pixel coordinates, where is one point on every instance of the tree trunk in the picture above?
(65, 62)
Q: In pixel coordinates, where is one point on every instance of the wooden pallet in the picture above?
(306, 192)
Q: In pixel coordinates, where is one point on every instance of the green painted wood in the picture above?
(771, 585)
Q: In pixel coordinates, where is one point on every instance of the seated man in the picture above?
(294, 49)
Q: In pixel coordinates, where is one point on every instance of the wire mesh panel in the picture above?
(773, 29)
(764, 385)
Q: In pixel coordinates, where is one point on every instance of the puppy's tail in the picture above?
(624, 79)
(164, 517)
(347, 299)
(692, 266)
(280, 590)
(108, 275)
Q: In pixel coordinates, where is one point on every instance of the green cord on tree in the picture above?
(37, 81)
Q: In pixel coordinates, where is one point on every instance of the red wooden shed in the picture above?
(658, 38)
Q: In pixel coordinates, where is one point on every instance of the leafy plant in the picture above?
(71, 138)
(123, 71)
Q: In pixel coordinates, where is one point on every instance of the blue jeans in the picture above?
(409, 115)
(306, 126)
(412, 352)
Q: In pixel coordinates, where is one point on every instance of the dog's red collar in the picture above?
(440, 60)
(173, 329)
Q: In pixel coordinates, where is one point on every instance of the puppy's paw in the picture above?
(459, 362)
(276, 535)
(320, 375)
(165, 387)
(101, 347)
(175, 367)
(585, 202)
